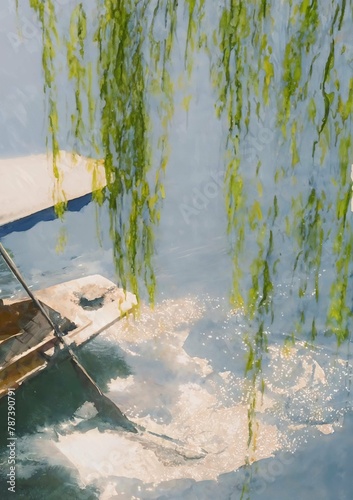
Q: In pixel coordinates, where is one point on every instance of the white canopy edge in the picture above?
(28, 184)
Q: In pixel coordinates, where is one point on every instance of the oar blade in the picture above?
(106, 408)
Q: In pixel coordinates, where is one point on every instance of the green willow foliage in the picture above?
(125, 125)
(294, 84)
(120, 115)
(281, 73)
(46, 14)
(122, 63)
(281, 79)
(297, 77)
(118, 72)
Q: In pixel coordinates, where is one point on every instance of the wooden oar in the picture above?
(105, 406)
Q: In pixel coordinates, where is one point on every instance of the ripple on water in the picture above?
(184, 383)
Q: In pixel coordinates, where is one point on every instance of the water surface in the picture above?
(245, 146)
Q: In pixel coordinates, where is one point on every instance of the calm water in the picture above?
(260, 250)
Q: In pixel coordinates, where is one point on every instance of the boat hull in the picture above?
(82, 308)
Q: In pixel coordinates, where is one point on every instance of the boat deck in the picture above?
(80, 308)
(23, 326)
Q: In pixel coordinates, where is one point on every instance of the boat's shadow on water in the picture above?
(43, 405)
(51, 483)
(54, 395)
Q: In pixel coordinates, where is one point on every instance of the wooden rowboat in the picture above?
(33, 331)
(81, 308)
